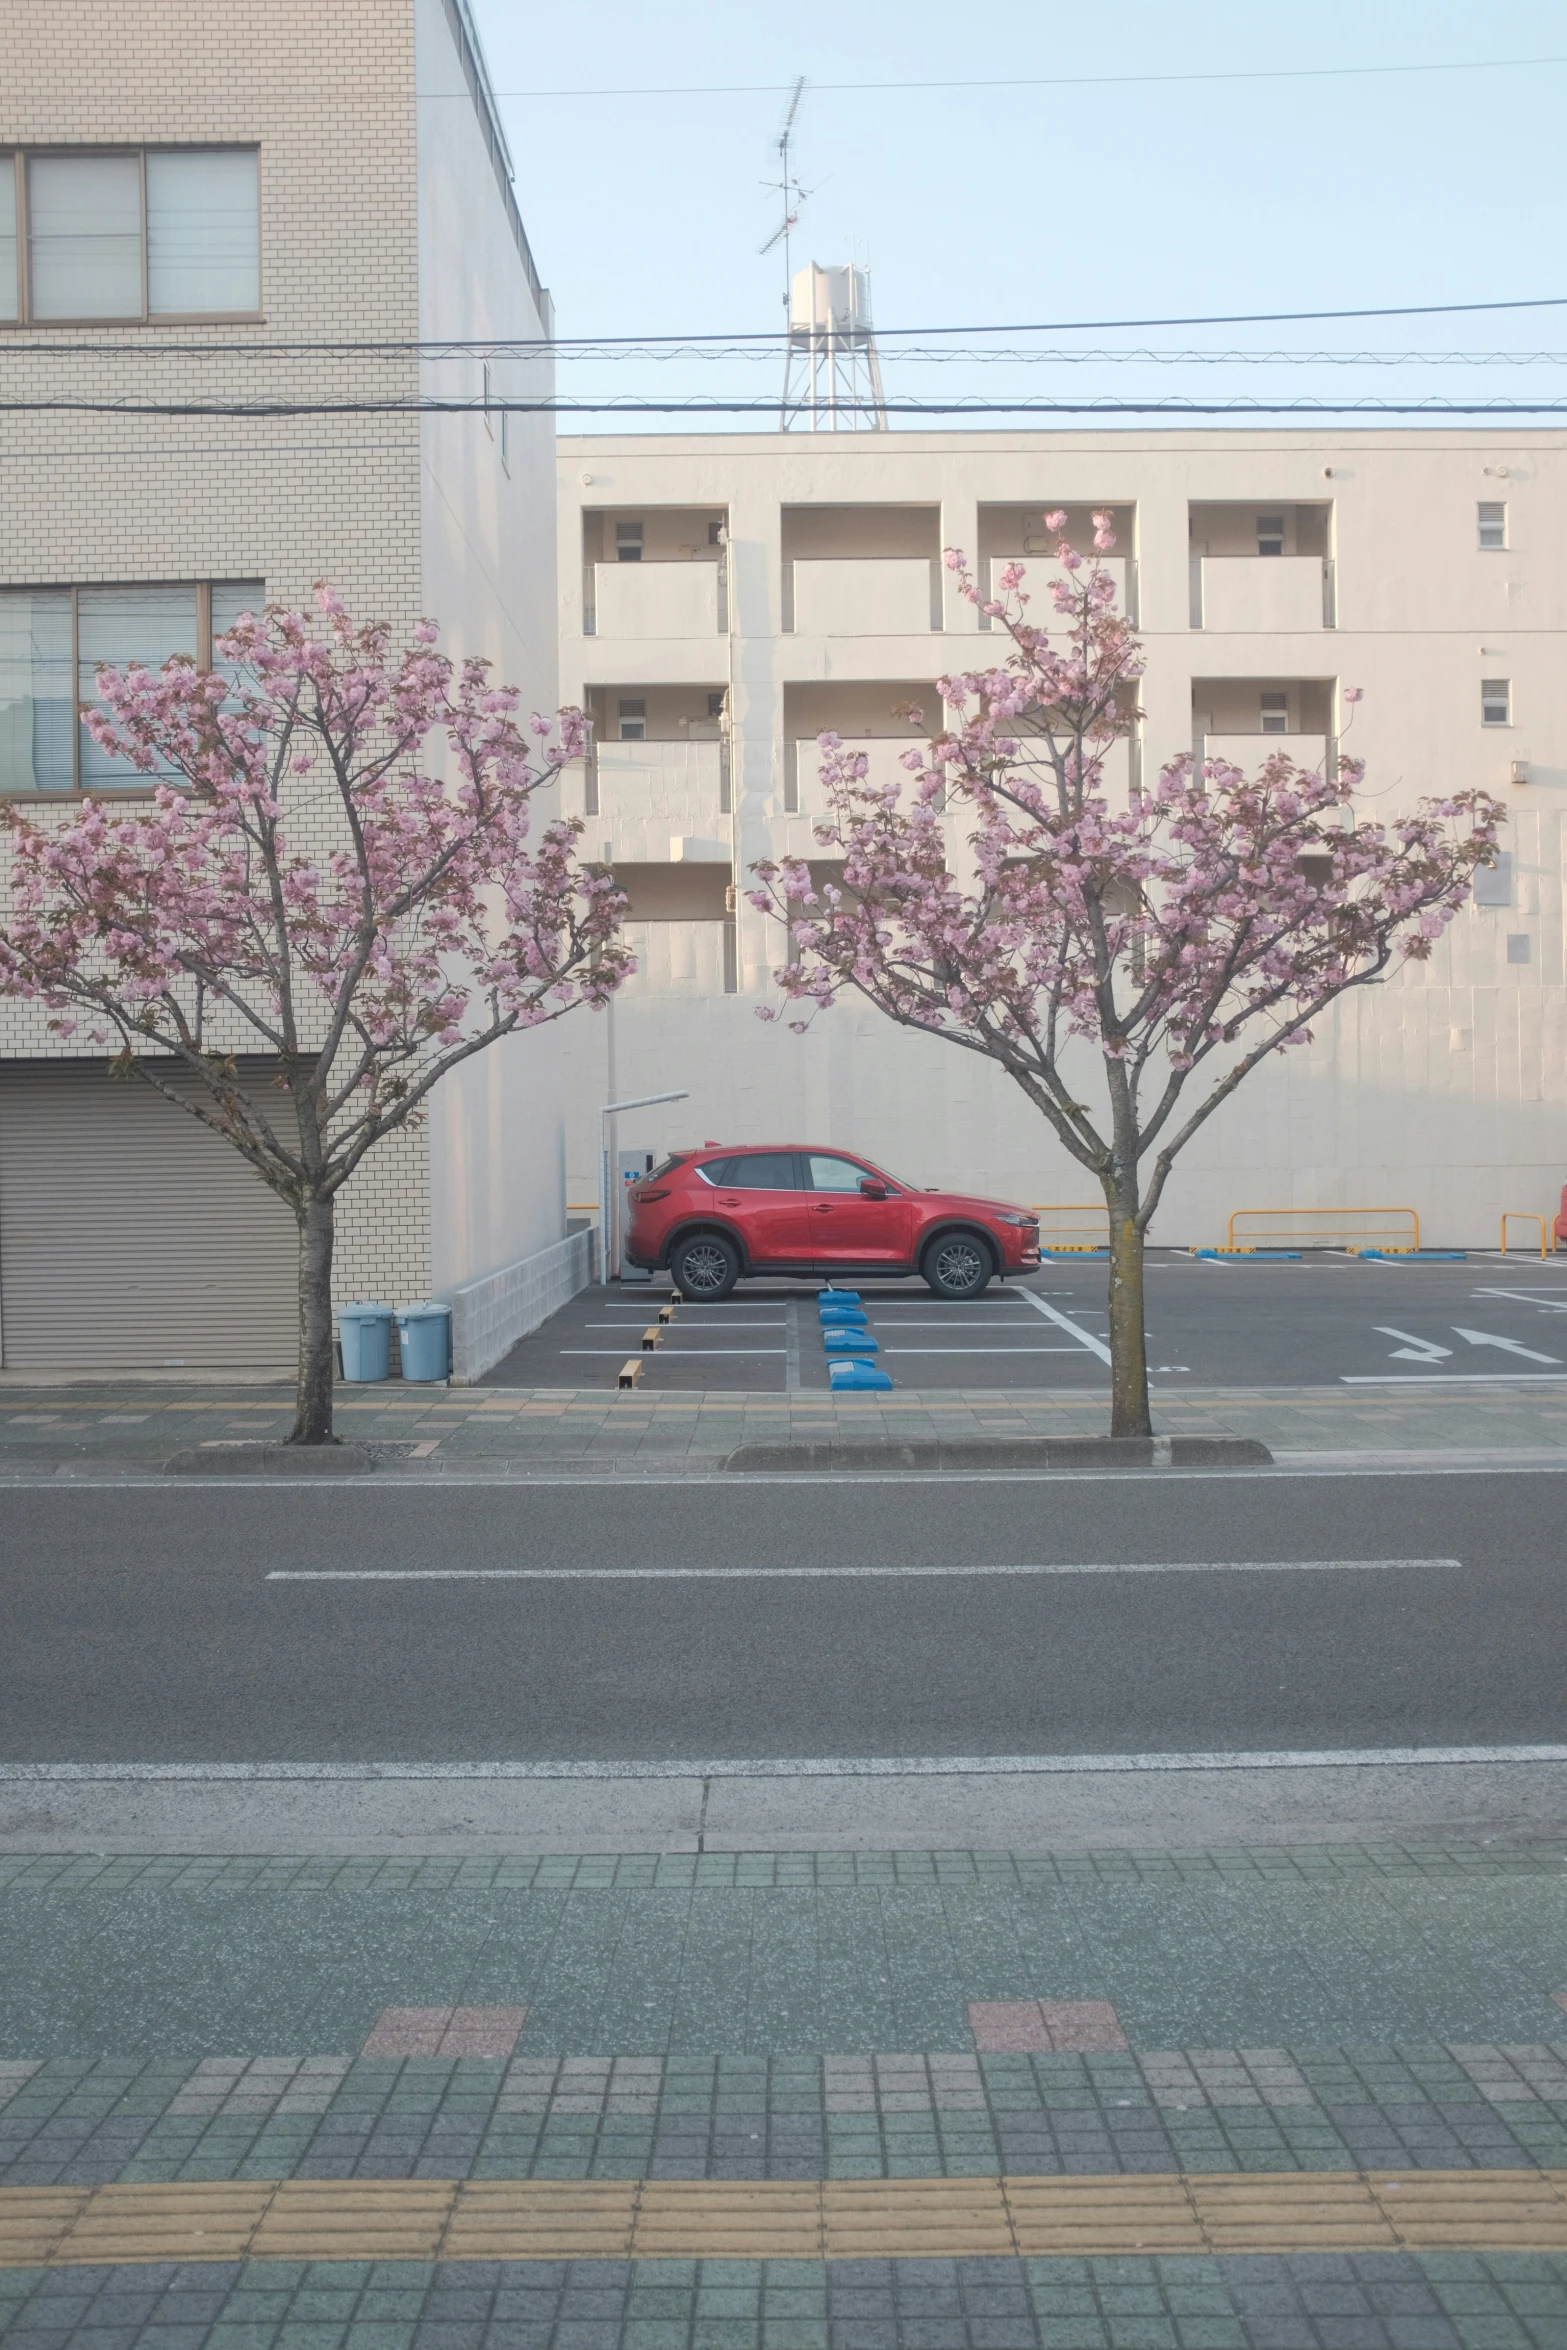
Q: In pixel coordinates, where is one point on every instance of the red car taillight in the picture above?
(646, 1198)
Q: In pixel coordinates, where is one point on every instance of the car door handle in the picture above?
(821, 1207)
(730, 1199)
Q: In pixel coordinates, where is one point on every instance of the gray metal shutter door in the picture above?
(132, 1237)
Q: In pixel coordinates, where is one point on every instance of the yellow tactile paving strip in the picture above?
(836, 2219)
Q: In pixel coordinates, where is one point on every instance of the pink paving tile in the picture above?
(446, 2031)
(1081, 2026)
(482, 2031)
(1007, 2027)
(408, 2031)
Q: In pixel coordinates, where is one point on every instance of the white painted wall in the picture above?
(496, 1133)
(1444, 1089)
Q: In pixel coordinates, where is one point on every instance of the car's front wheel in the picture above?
(957, 1265)
(705, 1267)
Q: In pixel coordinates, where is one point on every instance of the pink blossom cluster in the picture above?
(1212, 910)
(431, 925)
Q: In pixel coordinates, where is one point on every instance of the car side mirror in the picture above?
(871, 1189)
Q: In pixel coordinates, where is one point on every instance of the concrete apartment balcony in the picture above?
(1041, 571)
(659, 803)
(1248, 751)
(667, 601)
(1263, 595)
(866, 595)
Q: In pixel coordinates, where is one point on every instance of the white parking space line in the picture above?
(641, 1324)
(1095, 1346)
(980, 1350)
(684, 1352)
(1524, 1297)
(1450, 1378)
(963, 1571)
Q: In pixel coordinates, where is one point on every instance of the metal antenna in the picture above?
(787, 186)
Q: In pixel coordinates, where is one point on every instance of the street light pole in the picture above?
(644, 1101)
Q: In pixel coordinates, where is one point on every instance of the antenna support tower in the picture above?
(832, 375)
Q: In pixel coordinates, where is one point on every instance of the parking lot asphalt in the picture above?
(1327, 1320)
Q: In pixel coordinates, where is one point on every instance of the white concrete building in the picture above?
(725, 598)
(246, 205)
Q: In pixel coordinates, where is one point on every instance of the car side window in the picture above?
(835, 1174)
(712, 1171)
(762, 1171)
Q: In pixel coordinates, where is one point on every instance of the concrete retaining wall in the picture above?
(490, 1315)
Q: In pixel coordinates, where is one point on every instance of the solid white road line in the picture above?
(1095, 1346)
(830, 1766)
(834, 1574)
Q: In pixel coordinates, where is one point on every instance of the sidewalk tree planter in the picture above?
(333, 871)
(1150, 954)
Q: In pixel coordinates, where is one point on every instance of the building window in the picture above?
(52, 641)
(145, 233)
(715, 705)
(1496, 701)
(633, 719)
(1270, 534)
(1493, 883)
(628, 542)
(1491, 516)
(1275, 713)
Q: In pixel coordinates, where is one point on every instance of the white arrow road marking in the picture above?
(1416, 1350)
(1508, 1345)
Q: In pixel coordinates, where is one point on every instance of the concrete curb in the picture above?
(1018, 1452)
(222, 1459)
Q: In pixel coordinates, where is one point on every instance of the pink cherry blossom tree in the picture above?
(1128, 965)
(331, 879)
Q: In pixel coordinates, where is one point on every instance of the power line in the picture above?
(563, 346)
(616, 405)
(1075, 81)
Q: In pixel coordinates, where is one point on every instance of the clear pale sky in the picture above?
(1014, 204)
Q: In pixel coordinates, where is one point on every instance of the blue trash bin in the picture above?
(365, 1332)
(424, 1334)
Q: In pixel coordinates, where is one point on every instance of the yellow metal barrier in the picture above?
(1078, 1238)
(1395, 1230)
(1523, 1216)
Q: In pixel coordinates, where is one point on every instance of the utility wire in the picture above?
(582, 345)
(1074, 81)
(613, 404)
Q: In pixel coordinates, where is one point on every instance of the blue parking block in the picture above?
(838, 1297)
(844, 1317)
(856, 1378)
(1414, 1256)
(849, 1342)
(1251, 1256)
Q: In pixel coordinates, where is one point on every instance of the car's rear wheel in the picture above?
(958, 1265)
(705, 1267)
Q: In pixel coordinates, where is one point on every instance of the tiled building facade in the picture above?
(318, 198)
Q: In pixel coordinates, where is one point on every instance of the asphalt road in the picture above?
(1328, 1320)
(150, 1625)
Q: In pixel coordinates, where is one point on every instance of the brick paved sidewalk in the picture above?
(96, 1427)
(1358, 2019)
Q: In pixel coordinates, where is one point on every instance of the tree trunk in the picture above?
(313, 1408)
(1129, 1414)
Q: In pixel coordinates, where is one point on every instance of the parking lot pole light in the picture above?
(643, 1101)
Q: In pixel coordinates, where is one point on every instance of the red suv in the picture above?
(714, 1215)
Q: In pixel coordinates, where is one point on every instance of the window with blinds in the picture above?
(52, 641)
(148, 233)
